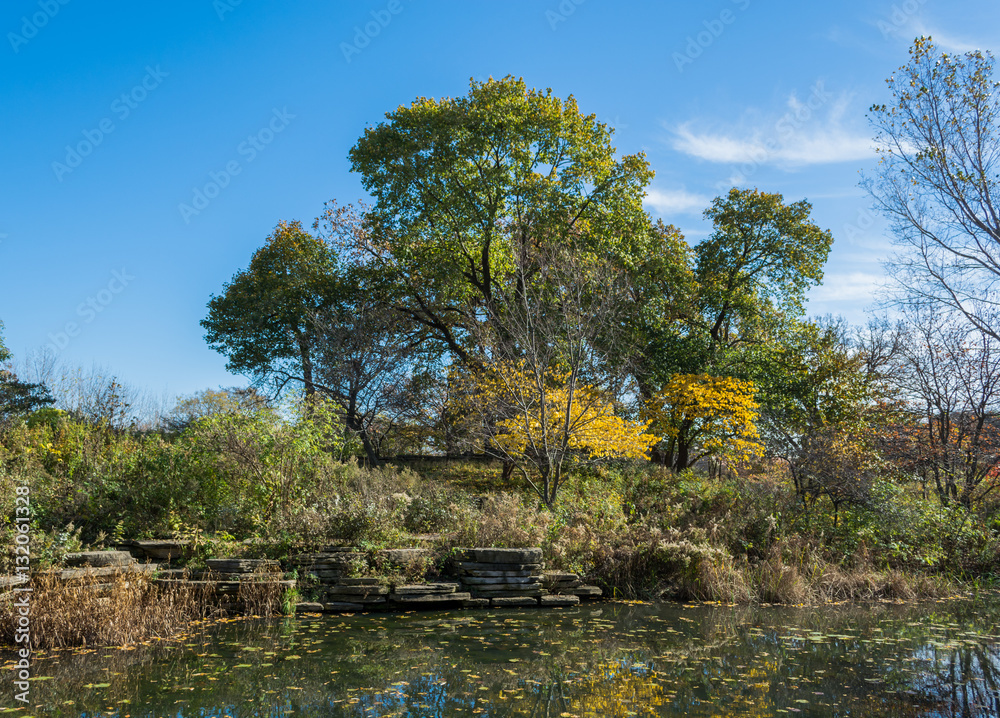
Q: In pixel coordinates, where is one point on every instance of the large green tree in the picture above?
(465, 188)
(754, 270)
(262, 321)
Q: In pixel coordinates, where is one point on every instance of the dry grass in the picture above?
(123, 609)
(794, 574)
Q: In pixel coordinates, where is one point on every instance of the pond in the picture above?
(612, 659)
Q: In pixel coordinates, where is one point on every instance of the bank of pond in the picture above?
(924, 658)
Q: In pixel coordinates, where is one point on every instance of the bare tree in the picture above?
(549, 372)
(939, 164)
(948, 375)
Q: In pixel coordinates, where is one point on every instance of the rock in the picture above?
(425, 588)
(492, 592)
(477, 566)
(337, 597)
(306, 607)
(358, 590)
(99, 559)
(501, 580)
(558, 600)
(163, 549)
(429, 598)
(340, 606)
(514, 601)
(363, 581)
(585, 591)
(504, 555)
(487, 574)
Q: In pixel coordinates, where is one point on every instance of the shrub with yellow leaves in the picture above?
(699, 415)
(538, 420)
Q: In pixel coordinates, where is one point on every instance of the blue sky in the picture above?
(110, 255)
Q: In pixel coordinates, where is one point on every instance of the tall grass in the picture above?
(124, 608)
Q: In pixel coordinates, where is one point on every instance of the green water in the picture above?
(920, 659)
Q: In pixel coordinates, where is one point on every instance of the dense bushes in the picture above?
(279, 480)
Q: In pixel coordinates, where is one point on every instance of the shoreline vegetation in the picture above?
(638, 532)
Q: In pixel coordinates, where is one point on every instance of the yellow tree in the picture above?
(700, 415)
(539, 420)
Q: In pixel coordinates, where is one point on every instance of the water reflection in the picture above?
(928, 659)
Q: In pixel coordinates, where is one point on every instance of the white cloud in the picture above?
(810, 132)
(678, 201)
(949, 43)
(850, 287)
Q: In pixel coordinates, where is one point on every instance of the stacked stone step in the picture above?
(354, 594)
(431, 595)
(160, 549)
(505, 576)
(99, 559)
(569, 586)
(327, 566)
(229, 573)
(100, 565)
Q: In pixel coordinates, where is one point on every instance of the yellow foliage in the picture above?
(546, 412)
(717, 414)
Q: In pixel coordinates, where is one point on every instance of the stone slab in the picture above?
(341, 606)
(424, 588)
(337, 597)
(558, 600)
(504, 555)
(429, 598)
(362, 581)
(358, 590)
(307, 607)
(585, 591)
(478, 592)
(99, 559)
(514, 602)
(478, 566)
(501, 580)
(488, 574)
(163, 549)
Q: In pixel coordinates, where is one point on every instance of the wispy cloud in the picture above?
(810, 132)
(676, 201)
(849, 287)
(947, 42)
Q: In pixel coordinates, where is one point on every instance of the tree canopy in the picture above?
(464, 185)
